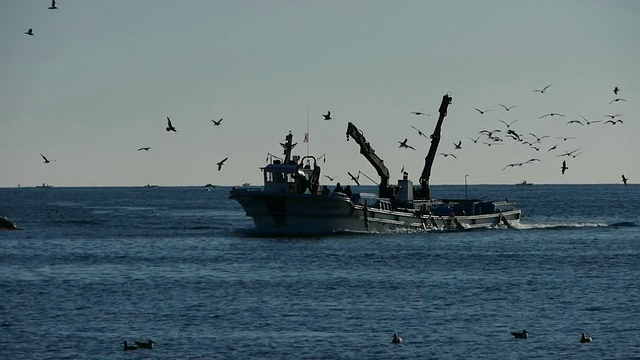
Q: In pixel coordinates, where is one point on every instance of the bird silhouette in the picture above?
(46, 161)
(217, 123)
(396, 339)
(221, 163)
(147, 148)
(420, 113)
(616, 90)
(458, 146)
(520, 335)
(482, 111)
(575, 122)
(542, 90)
(327, 116)
(29, 32)
(475, 141)
(170, 126)
(589, 122)
(538, 138)
(53, 5)
(329, 177)
(420, 132)
(507, 108)
(448, 154)
(624, 179)
(613, 116)
(613, 122)
(616, 100)
(403, 144)
(550, 114)
(564, 166)
(553, 148)
(508, 124)
(585, 339)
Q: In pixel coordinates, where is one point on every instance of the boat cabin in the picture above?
(292, 177)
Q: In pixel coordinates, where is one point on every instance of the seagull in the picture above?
(448, 154)
(551, 114)
(616, 100)
(585, 339)
(508, 124)
(53, 5)
(616, 90)
(538, 138)
(613, 116)
(564, 166)
(145, 148)
(221, 163)
(46, 161)
(329, 177)
(482, 111)
(508, 108)
(419, 132)
(543, 89)
(396, 339)
(475, 141)
(614, 122)
(327, 116)
(520, 335)
(29, 32)
(403, 144)
(624, 179)
(512, 165)
(564, 138)
(217, 123)
(532, 160)
(569, 153)
(402, 170)
(590, 122)
(355, 178)
(145, 345)
(575, 122)
(170, 126)
(458, 146)
(420, 113)
(552, 148)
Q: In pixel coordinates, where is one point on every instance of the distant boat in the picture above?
(246, 184)
(44, 186)
(524, 182)
(149, 185)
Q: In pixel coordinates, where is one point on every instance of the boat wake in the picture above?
(571, 225)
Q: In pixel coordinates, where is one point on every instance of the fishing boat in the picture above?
(292, 201)
(44, 186)
(524, 183)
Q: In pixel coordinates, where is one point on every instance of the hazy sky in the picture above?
(99, 78)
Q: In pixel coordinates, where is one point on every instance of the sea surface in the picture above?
(94, 267)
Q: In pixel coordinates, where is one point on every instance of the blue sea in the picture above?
(94, 267)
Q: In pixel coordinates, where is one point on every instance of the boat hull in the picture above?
(325, 214)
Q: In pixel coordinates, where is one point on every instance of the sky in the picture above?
(98, 79)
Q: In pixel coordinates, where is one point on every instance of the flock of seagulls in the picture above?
(499, 136)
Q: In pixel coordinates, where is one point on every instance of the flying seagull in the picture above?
(616, 90)
(403, 144)
(590, 122)
(329, 177)
(448, 154)
(482, 111)
(551, 114)
(612, 122)
(419, 132)
(221, 163)
(624, 179)
(564, 166)
(575, 122)
(543, 89)
(616, 100)
(53, 5)
(420, 113)
(170, 126)
(29, 32)
(46, 161)
(327, 116)
(508, 108)
(458, 146)
(508, 124)
(355, 178)
(217, 123)
(147, 148)
(475, 141)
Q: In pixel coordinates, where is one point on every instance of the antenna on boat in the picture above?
(306, 135)
(466, 194)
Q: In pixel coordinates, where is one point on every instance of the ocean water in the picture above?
(94, 267)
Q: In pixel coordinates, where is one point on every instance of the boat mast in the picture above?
(425, 192)
(288, 146)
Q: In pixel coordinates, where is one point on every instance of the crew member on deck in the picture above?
(347, 191)
(325, 190)
(338, 189)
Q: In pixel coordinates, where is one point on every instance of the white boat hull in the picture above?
(325, 214)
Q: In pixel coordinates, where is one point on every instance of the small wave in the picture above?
(558, 226)
(624, 224)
